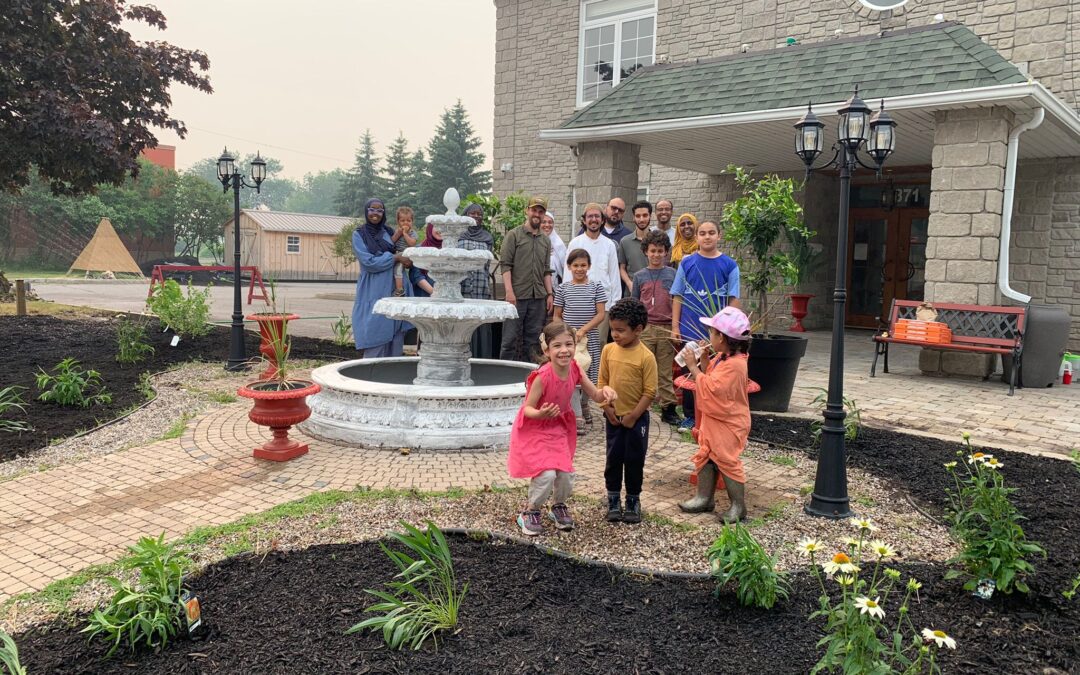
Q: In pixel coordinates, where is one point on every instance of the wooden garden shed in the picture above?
(296, 246)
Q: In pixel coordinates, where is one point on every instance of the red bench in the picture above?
(984, 329)
(158, 277)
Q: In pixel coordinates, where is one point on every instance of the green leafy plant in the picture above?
(150, 612)
(736, 557)
(132, 343)
(1071, 593)
(424, 598)
(859, 636)
(852, 422)
(11, 400)
(755, 224)
(987, 525)
(9, 655)
(69, 385)
(342, 331)
(187, 315)
(1074, 457)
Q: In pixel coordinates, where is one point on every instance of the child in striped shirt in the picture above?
(580, 303)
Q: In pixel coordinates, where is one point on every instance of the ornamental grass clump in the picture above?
(151, 611)
(987, 525)
(424, 598)
(9, 656)
(860, 635)
(736, 557)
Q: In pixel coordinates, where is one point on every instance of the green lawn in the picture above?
(18, 271)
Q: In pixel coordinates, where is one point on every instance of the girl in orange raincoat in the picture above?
(723, 412)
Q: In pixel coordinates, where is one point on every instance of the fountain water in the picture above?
(443, 399)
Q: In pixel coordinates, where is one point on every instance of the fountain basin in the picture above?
(373, 403)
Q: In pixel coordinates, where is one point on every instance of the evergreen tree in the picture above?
(454, 160)
(362, 182)
(397, 164)
(414, 186)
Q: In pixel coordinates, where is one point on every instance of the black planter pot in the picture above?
(774, 363)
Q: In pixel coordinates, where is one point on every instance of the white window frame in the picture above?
(618, 21)
(289, 243)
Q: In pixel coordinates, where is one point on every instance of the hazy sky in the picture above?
(300, 81)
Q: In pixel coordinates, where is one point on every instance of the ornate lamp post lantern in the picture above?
(878, 133)
(230, 177)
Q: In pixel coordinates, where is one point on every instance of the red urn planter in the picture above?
(279, 410)
(799, 302)
(270, 326)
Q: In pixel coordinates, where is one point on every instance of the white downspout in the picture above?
(1007, 208)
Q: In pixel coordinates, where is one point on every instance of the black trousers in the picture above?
(521, 336)
(626, 448)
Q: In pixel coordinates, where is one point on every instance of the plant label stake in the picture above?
(192, 610)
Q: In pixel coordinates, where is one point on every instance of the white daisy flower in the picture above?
(978, 457)
(840, 563)
(993, 463)
(868, 606)
(863, 524)
(882, 549)
(950, 465)
(809, 545)
(852, 542)
(939, 637)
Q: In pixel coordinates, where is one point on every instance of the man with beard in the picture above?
(604, 256)
(613, 227)
(631, 256)
(526, 273)
(664, 210)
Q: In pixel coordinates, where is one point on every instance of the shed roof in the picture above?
(936, 58)
(299, 223)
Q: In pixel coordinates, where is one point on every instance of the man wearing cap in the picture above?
(525, 260)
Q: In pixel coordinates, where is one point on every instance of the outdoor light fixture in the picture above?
(230, 177)
(878, 133)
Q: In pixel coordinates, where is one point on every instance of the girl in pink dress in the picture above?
(544, 436)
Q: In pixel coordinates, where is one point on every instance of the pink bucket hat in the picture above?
(731, 322)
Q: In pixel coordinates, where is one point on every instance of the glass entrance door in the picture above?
(886, 261)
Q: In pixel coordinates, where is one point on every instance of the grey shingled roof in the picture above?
(300, 223)
(941, 57)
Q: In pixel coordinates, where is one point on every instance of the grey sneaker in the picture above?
(530, 523)
(560, 513)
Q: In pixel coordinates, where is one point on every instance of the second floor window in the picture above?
(617, 37)
(292, 244)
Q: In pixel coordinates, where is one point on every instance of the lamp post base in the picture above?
(829, 507)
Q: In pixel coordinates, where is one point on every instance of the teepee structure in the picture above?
(105, 252)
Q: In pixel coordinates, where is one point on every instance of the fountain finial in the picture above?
(450, 200)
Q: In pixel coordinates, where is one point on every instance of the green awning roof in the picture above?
(935, 58)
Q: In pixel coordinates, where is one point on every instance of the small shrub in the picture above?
(150, 612)
(131, 341)
(11, 400)
(737, 557)
(9, 655)
(987, 525)
(1071, 593)
(425, 597)
(342, 331)
(852, 422)
(69, 385)
(187, 316)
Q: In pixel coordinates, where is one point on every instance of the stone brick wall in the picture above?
(966, 193)
(1044, 260)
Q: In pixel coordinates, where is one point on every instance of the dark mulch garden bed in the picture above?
(44, 341)
(528, 612)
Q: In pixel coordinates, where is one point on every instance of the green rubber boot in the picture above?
(737, 494)
(706, 488)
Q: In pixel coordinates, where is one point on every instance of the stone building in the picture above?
(701, 84)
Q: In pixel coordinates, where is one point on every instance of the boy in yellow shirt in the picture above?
(628, 367)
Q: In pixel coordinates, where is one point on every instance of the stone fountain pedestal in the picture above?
(441, 400)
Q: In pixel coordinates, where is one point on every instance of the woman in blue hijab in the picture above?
(376, 335)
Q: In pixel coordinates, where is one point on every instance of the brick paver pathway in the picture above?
(57, 522)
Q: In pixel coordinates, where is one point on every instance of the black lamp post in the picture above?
(230, 177)
(878, 133)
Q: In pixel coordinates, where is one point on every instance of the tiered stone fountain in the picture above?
(441, 400)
